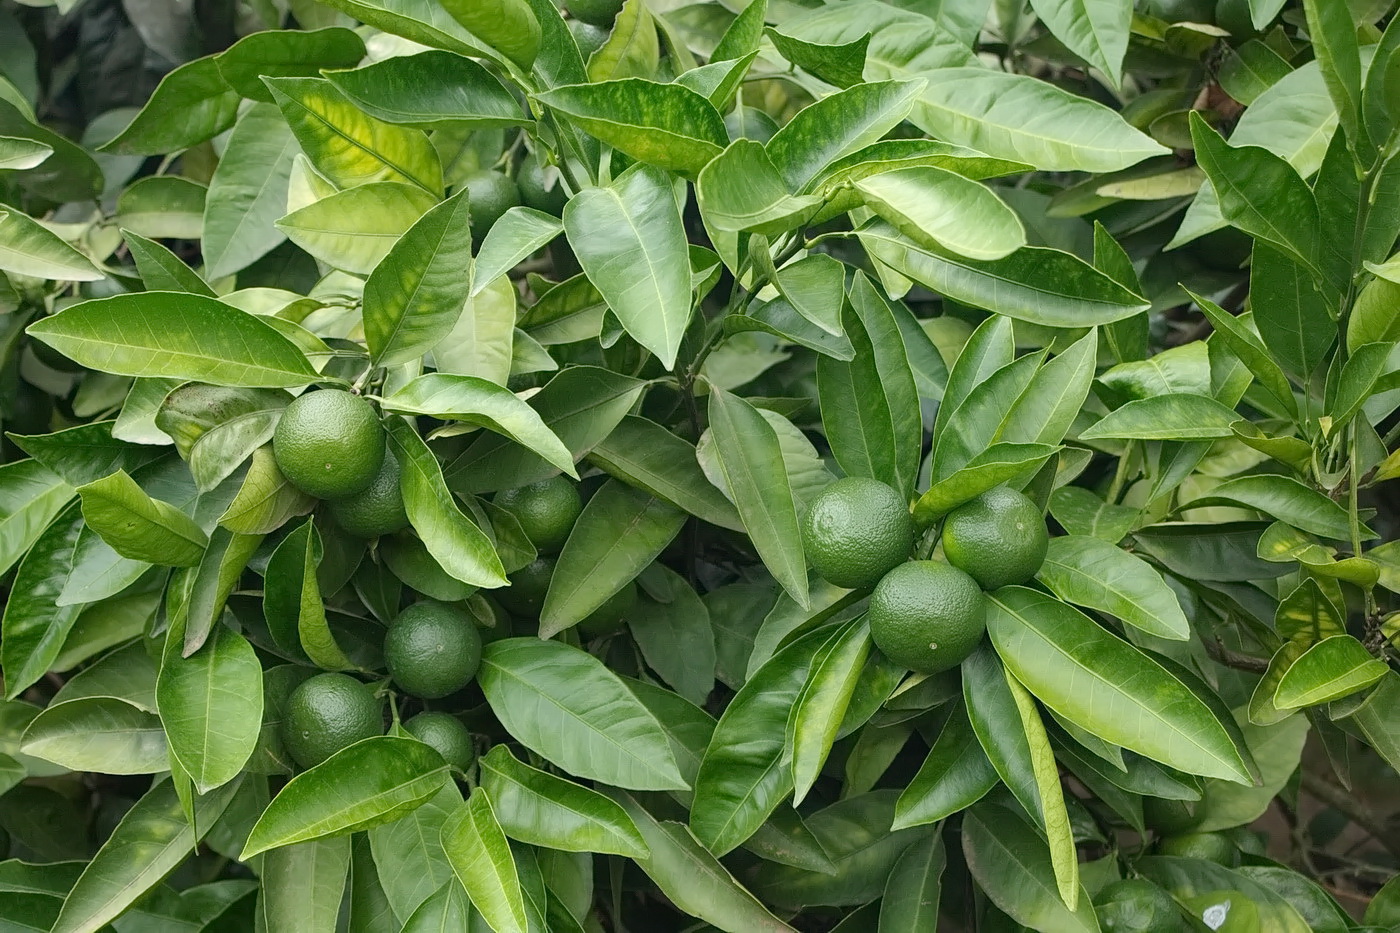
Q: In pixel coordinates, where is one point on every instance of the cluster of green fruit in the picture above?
(925, 615)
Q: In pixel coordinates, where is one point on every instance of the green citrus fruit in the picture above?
(446, 735)
(538, 189)
(528, 586)
(1212, 847)
(329, 444)
(856, 531)
(432, 649)
(608, 618)
(595, 12)
(999, 538)
(1136, 905)
(491, 194)
(546, 510)
(927, 616)
(377, 510)
(1169, 817)
(326, 713)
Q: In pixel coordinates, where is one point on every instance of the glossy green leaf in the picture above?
(822, 703)
(1052, 401)
(34, 627)
(17, 154)
(429, 89)
(266, 500)
(671, 625)
(98, 733)
(508, 26)
(912, 894)
(746, 771)
(191, 104)
(1333, 668)
(476, 401)
(150, 841)
(541, 809)
(1292, 315)
(667, 125)
(1095, 30)
(1018, 117)
(520, 232)
(349, 146)
(248, 192)
(1010, 863)
(140, 527)
(408, 853)
(445, 910)
(870, 405)
(455, 541)
(303, 884)
(630, 240)
(1034, 284)
(286, 54)
(29, 248)
(481, 859)
(942, 210)
(161, 270)
(837, 125)
(563, 704)
(371, 782)
(1287, 500)
(71, 173)
(1092, 572)
(694, 879)
(955, 775)
(645, 455)
(1050, 646)
(31, 496)
(742, 190)
(355, 229)
(1166, 417)
(1219, 890)
(581, 405)
(167, 334)
(998, 464)
(840, 64)
(751, 460)
(414, 295)
(631, 50)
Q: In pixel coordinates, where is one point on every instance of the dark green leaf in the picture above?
(430, 89)
(837, 125)
(912, 895)
(1092, 572)
(1287, 500)
(34, 626)
(1166, 417)
(191, 104)
(1011, 864)
(955, 775)
(644, 454)
(286, 53)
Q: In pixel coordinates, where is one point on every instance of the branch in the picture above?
(1325, 791)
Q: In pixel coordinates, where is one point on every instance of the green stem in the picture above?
(1120, 474)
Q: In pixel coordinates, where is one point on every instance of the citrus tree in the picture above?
(472, 465)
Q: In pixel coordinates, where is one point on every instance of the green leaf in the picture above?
(168, 334)
(455, 541)
(581, 405)
(645, 455)
(191, 104)
(1384, 908)
(408, 853)
(743, 35)
(840, 64)
(630, 240)
(955, 775)
(349, 146)
(1250, 351)
(31, 496)
(1259, 192)
(1287, 500)
(541, 809)
(746, 770)
(18, 154)
(70, 174)
(98, 733)
(266, 500)
(980, 419)
(667, 125)
(139, 527)
(29, 248)
(34, 626)
(815, 286)
(414, 295)
(1092, 572)
(1025, 119)
(672, 628)
(161, 270)
(1118, 692)
(303, 884)
(837, 125)
(942, 210)
(620, 532)
(1176, 417)
(752, 463)
(821, 705)
(741, 190)
(1217, 889)
(631, 50)
(1333, 668)
(1054, 818)
(211, 705)
(374, 781)
(248, 192)
(1095, 30)
(509, 27)
(445, 910)
(1033, 284)
(150, 841)
(286, 53)
(912, 894)
(520, 232)
(998, 464)
(1292, 315)
(695, 880)
(477, 401)
(563, 704)
(430, 89)
(1011, 865)
(1333, 35)
(480, 857)
(355, 229)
